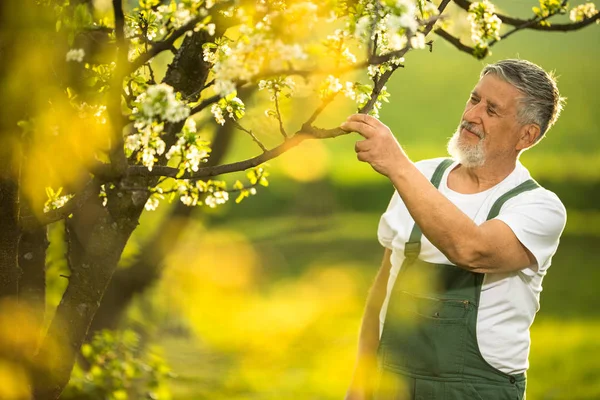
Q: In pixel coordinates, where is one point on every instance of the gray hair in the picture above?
(541, 103)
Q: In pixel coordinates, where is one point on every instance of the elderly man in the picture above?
(467, 243)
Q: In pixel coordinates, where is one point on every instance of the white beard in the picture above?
(468, 155)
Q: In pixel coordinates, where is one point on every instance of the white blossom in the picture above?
(330, 86)
(152, 202)
(218, 114)
(583, 11)
(159, 102)
(216, 198)
(363, 27)
(417, 41)
(485, 24)
(75, 55)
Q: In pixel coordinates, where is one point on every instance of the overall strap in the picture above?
(523, 187)
(412, 248)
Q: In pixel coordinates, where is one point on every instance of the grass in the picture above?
(317, 362)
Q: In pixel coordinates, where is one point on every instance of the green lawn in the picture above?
(315, 360)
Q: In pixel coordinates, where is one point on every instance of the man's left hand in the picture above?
(380, 148)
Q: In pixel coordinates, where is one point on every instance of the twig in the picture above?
(527, 24)
(465, 4)
(308, 124)
(429, 24)
(454, 41)
(281, 128)
(296, 139)
(205, 103)
(249, 132)
(31, 222)
(117, 156)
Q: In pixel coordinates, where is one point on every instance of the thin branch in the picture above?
(372, 46)
(249, 132)
(119, 21)
(465, 4)
(299, 137)
(431, 22)
(527, 24)
(281, 128)
(163, 45)
(205, 103)
(117, 154)
(455, 41)
(31, 222)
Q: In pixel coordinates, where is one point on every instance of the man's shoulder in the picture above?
(428, 166)
(539, 195)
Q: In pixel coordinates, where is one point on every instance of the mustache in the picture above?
(472, 128)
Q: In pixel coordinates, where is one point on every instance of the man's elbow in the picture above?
(469, 257)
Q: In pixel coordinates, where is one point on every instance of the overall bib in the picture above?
(428, 348)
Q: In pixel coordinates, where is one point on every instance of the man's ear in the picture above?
(529, 136)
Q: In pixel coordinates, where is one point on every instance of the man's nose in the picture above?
(474, 114)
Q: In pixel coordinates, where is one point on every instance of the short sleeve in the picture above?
(386, 230)
(537, 218)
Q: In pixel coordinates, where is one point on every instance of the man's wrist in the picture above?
(400, 170)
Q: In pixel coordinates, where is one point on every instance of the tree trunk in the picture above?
(185, 76)
(96, 237)
(32, 260)
(9, 170)
(95, 240)
(147, 269)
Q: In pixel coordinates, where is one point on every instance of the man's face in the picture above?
(489, 128)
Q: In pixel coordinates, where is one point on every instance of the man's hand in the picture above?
(380, 148)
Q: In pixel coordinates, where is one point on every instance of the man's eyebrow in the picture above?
(491, 104)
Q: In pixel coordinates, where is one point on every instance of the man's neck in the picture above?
(468, 180)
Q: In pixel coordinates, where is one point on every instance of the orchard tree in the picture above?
(96, 130)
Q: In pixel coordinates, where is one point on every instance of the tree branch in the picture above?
(465, 4)
(205, 103)
(117, 156)
(299, 137)
(249, 132)
(163, 45)
(30, 223)
(429, 25)
(281, 128)
(454, 41)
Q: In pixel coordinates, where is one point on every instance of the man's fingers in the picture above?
(361, 145)
(365, 119)
(362, 156)
(361, 128)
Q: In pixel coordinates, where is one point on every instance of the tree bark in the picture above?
(185, 76)
(9, 169)
(147, 269)
(32, 260)
(96, 237)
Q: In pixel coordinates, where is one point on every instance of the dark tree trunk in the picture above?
(147, 269)
(96, 237)
(9, 234)
(95, 240)
(185, 76)
(9, 169)
(32, 260)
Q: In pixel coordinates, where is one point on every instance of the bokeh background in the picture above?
(263, 299)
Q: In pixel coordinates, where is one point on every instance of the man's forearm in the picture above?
(366, 363)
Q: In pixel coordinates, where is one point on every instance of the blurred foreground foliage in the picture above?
(118, 368)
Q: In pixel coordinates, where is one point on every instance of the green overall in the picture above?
(428, 348)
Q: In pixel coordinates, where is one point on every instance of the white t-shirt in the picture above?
(508, 301)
